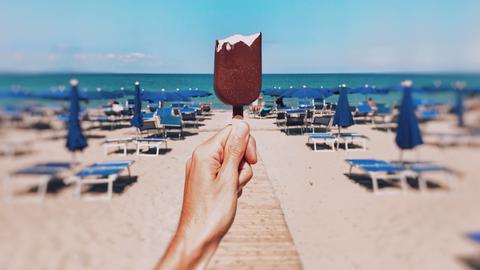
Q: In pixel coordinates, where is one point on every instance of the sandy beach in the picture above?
(334, 222)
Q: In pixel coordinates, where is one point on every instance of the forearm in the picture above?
(183, 253)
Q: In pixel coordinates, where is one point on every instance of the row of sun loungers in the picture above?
(40, 175)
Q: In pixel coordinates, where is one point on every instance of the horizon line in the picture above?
(445, 72)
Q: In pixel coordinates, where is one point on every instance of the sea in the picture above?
(156, 82)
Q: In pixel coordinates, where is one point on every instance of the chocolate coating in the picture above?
(238, 72)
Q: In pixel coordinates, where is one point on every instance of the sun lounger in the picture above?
(323, 138)
(363, 111)
(116, 143)
(281, 118)
(189, 115)
(152, 127)
(352, 138)
(150, 142)
(379, 169)
(295, 119)
(408, 169)
(323, 121)
(427, 115)
(265, 112)
(169, 121)
(100, 173)
(172, 123)
(38, 175)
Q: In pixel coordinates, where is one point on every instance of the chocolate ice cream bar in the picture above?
(238, 70)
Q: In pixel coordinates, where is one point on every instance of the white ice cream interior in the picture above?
(235, 39)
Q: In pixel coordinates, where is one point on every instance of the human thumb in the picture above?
(235, 149)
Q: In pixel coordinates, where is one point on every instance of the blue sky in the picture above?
(299, 36)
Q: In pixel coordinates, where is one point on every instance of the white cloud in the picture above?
(60, 60)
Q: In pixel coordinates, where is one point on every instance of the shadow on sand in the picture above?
(119, 186)
(365, 181)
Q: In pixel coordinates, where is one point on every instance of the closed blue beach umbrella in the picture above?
(408, 132)
(137, 119)
(459, 107)
(75, 139)
(343, 115)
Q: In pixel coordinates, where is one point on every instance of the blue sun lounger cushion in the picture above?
(119, 163)
(320, 136)
(360, 162)
(99, 172)
(48, 168)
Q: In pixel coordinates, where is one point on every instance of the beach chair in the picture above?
(265, 112)
(189, 115)
(353, 138)
(295, 119)
(380, 169)
(117, 143)
(383, 110)
(38, 176)
(151, 127)
(281, 118)
(323, 138)
(363, 111)
(427, 115)
(115, 164)
(149, 143)
(170, 122)
(323, 121)
(100, 173)
(409, 169)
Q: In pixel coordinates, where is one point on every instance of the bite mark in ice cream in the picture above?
(230, 41)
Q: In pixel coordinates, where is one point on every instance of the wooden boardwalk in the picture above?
(259, 237)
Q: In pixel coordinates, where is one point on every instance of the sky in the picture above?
(301, 36)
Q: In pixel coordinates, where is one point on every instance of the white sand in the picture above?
(335, 222)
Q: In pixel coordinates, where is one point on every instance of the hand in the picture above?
(215, 175)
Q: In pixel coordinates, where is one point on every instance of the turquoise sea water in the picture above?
(152, 82)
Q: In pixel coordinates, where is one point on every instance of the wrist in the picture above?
(196, 246)
(188, 251)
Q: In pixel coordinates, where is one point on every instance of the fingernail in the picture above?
(240, 129)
